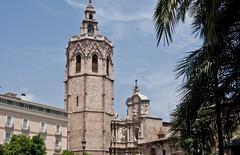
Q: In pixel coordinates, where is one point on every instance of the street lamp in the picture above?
(84, 145)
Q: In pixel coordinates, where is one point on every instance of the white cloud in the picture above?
(112, 10)
(76, 3)
(117, 16)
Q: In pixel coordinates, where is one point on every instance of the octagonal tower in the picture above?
(89, 82)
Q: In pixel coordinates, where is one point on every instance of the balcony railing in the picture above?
(58, 133)
(9, 125)
(57, 148)
(43, 131)
(6, 140)
(25, 128)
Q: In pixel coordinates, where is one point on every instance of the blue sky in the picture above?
(34, 34)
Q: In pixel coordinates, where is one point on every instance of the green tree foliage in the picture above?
(38, 147)
(1, 149)
(23, 145)
(209, 108)
(66, 152)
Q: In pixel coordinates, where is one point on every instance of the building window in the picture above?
(90, 29)
(58, 144)
(25, 124)
(58, 129)
(95, 63)
(9, 122)
(7, 136)
(42, 127)
(78, 63)
(107, 66)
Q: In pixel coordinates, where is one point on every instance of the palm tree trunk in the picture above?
(219, 128)
(218, 109)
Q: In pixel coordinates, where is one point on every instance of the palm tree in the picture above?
(211, 73)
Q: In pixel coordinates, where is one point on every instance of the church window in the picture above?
(90, 29)
(153, 151)
(95, 63)
(164, 152)
(107, 66)
(90, 16)
(78, 64)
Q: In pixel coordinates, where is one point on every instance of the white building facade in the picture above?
(22, 117)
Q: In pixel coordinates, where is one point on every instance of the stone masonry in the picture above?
(89, 80)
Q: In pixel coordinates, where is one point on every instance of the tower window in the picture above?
(107, 66)
(95, 63)
(78, 64)
(90, 29)
(77, 101)
(90, 16)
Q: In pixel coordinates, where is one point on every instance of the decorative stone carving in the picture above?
(116, 116)
(137, 134)
(134, 110)
(145, 109)
(123, 134)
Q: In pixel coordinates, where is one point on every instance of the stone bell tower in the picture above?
(89, 80)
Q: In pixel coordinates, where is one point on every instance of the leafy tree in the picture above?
(1, 149)
(210, 91)
(38, 147)
(66, 152)
(23, 145)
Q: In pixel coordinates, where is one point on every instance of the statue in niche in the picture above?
(136, 134)
(113, 138)
(135, 110)
(141, 109)
(123, 135)
(145, 109)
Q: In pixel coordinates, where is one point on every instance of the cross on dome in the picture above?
(136, 89)
(136, 83)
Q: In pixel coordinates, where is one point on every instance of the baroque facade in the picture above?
(139, 133)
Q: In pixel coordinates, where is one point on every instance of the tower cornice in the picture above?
(90, 37)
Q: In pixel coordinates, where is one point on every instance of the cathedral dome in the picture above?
(143, 97)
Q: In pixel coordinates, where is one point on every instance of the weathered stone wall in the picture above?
(89, 96)
(152, 129)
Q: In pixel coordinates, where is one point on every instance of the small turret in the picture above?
(89, 23)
